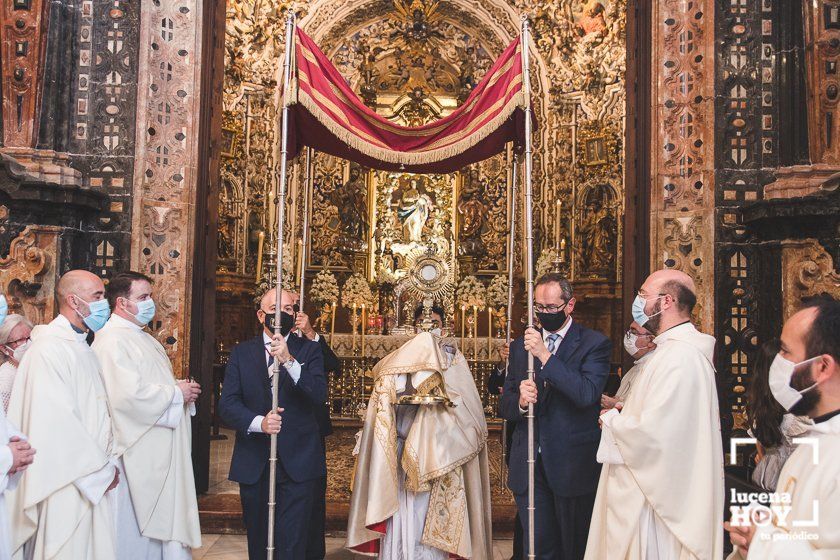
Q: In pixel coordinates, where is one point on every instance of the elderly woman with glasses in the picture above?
(14, 340)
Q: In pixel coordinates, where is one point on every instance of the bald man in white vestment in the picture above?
(156, 509)
(61, 507)
(804, 523)
(660, 495)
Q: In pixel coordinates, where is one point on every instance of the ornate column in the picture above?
(165, 171)
(682, 150)
(23, 45)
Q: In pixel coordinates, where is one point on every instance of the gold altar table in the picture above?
(379, 346)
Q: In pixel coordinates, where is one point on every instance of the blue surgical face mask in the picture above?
(99, 311)
(145, 311)
(4, 308)
(639, 314)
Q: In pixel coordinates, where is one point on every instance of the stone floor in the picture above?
(233, 547)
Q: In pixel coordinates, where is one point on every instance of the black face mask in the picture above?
(553, 321)
(287, 321)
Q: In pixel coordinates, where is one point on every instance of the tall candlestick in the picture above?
(332, 322)
(463, 327)
(260, 243)
(299, 258)
(475, 332)
(557, 225)
(364, 324)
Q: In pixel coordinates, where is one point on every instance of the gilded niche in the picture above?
(413, 66)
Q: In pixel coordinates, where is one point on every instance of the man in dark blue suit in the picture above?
(245, 406)
(571, 364)
(316, 547)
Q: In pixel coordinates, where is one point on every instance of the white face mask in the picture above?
(630, 343)
(17, 353)
(436, 331)
(781, 372)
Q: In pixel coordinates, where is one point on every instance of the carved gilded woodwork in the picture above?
(592, 79)
(807, 271)
(24, 36)
(29, 273)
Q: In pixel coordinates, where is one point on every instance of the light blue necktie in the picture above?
(552, 342)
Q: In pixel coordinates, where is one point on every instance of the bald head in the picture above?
(287, 300)
(79, 284)
(669, 275)
(677, 284)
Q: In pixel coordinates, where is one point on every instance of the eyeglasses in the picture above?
(18, 342)
(540, 308)
(630, 332)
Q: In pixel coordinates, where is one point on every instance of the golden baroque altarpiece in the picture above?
(415, 61)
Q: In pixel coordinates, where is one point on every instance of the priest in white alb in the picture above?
(156, 509)
(660, 495)
(61, 508)
(803, 523)
(421, 487)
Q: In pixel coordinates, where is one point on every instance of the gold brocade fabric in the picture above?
(445, 453)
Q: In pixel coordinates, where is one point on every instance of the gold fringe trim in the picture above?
(487, 82)
(412, 158)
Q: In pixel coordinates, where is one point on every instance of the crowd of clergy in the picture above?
(98, 463)
(97, 432)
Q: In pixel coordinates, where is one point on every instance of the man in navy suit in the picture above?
(316, 547)
(571, 364)
(245, 406)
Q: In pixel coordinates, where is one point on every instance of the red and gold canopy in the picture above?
(327, 115)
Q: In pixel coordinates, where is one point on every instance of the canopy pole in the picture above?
(529, 269)
(281, 220)
(511, 249)
(307, 189)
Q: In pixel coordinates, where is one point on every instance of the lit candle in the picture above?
(557, 224)
(353, 320)
(364, 319)
(563, 250)
(475, 332)
(463, 326)
(332, 323)
(260, 243)
(489, 331)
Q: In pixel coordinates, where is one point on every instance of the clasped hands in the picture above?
(22, 454)
(536, 346)
(190, 389)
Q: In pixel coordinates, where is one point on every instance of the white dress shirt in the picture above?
(292, 366)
